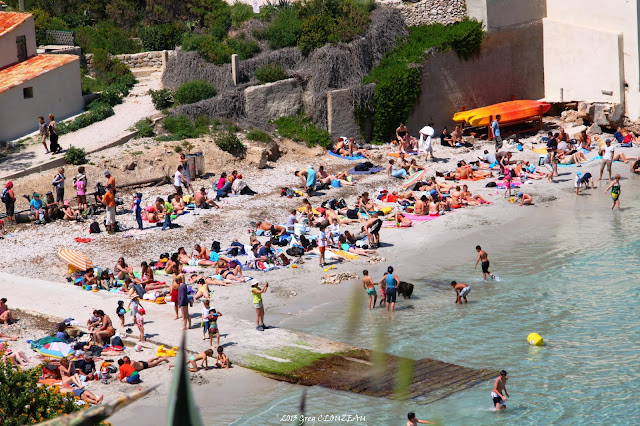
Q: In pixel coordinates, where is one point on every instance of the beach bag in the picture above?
(94, 228)
(490, 185)
(215, 246)
(116, 341)
(234, 251)
(295, 251)
(342, 204)
(5, 195)
(364, 167)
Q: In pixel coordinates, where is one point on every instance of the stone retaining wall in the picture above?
(429, 11)
(136, 60)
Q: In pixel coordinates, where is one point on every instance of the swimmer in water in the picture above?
(615, 191)
(369, 286)
(413, 421)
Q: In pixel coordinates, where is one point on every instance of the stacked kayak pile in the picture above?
(510, 112)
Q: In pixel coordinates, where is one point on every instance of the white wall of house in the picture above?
(591, 46)
(500, 14)
(57, 91)
(8, 46)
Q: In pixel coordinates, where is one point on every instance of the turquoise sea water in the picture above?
(570, 274)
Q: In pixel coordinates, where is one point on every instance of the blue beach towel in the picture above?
(350, 158)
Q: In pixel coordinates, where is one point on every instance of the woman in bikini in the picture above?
(192, 261)
(472, 200)
(103, 333)
(5, 314)
(345, 246)
(122, 270)
(65, 372)
(146, 279)
(223, 269)
(172, 264)
(402, 136)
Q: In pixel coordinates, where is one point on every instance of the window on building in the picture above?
(28, 92)
(21, 42)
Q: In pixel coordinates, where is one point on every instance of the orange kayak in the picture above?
(464, 115)
(510, 111)
(508, 115)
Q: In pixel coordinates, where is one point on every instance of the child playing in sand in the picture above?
(140, 324)
(525, 199)
(369, 286)
(202, 356)
(213, 326)
(507, 182)
(120, 311)
(383, 292)
(615, 191)
(222, 360)
(462, 290)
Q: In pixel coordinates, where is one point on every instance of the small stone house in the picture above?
(30, 84)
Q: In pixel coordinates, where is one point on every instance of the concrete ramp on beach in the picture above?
(365, 372)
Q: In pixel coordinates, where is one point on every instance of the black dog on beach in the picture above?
(405, 289)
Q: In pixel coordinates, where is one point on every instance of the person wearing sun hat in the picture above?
(37, 209)
(69, 213)
(257, 292)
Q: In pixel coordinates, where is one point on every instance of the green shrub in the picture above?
(191, 41)
(162, 98)
(398, 83)
(218, 19)
(194, 91)
(301, 129)
(43, 22)
(243, 47)
(108, 36)
(144, 128)
(315, 33)
(161, 37)
(285, 29)
(240, 12)
(259, 136)
(229, 142)
(75, 156)
(215, 51)
(270, 72)
(25, 402)
(182, 127)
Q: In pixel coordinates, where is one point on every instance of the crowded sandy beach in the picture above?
(305, 212)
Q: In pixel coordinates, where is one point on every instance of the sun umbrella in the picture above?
(55, 350)
(75, 258)
(414, 178)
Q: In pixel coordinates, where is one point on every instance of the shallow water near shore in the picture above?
(568, 272)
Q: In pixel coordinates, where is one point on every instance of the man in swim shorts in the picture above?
(143, 365)
(413, 420)
(484, 258)
(462, 290)
(500, 391)
(369, 286)
(372, 228)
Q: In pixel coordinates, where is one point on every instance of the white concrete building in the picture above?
(32, 85)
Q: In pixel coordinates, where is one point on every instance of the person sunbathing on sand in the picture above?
(84, 395)
(275, 229)
(354, 150)
(193, 261)
(340, 149)
(326, 178)
(345, 246)
(531, 171)
(229, 271)
(471, 199)
(7, 337)
(203, 289)
(143, 365)
(456, 198)
(434, 208)
(146, 279)
(202, 201)
(65, 373)
(623, 158)
(16, 357)
(202, 356)
(575, 158)
(420, 207)
(178, 204)
(366, 205)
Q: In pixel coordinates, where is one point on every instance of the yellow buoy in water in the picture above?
(535, 339)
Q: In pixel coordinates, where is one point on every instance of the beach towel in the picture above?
(597, 157)
(357, 157)
(346, 254)
(371, 171)
(540, 150)
(418, 217)
(397, 154)
(474, 179)
(393, 224)
(82, 240)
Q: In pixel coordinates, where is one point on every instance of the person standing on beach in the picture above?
(311, 180)
(370, 287)
(615, 192)
(110, 203)
(499, 393)
(462, 290)
(607, 158)
(484, 258)
(495, 126)
(257, 292)
(58, 183)
(322, 244)
(9, 199)
(43, 133)
(391, 282)
(183, 303)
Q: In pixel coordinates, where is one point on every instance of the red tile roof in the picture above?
(22, 72)
(10, 20)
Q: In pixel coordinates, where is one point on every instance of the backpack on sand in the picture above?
(94, 228)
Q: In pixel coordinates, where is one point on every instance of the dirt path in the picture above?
(136, 106)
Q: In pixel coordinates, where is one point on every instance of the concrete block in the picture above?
(273, 100)
(340, 114)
